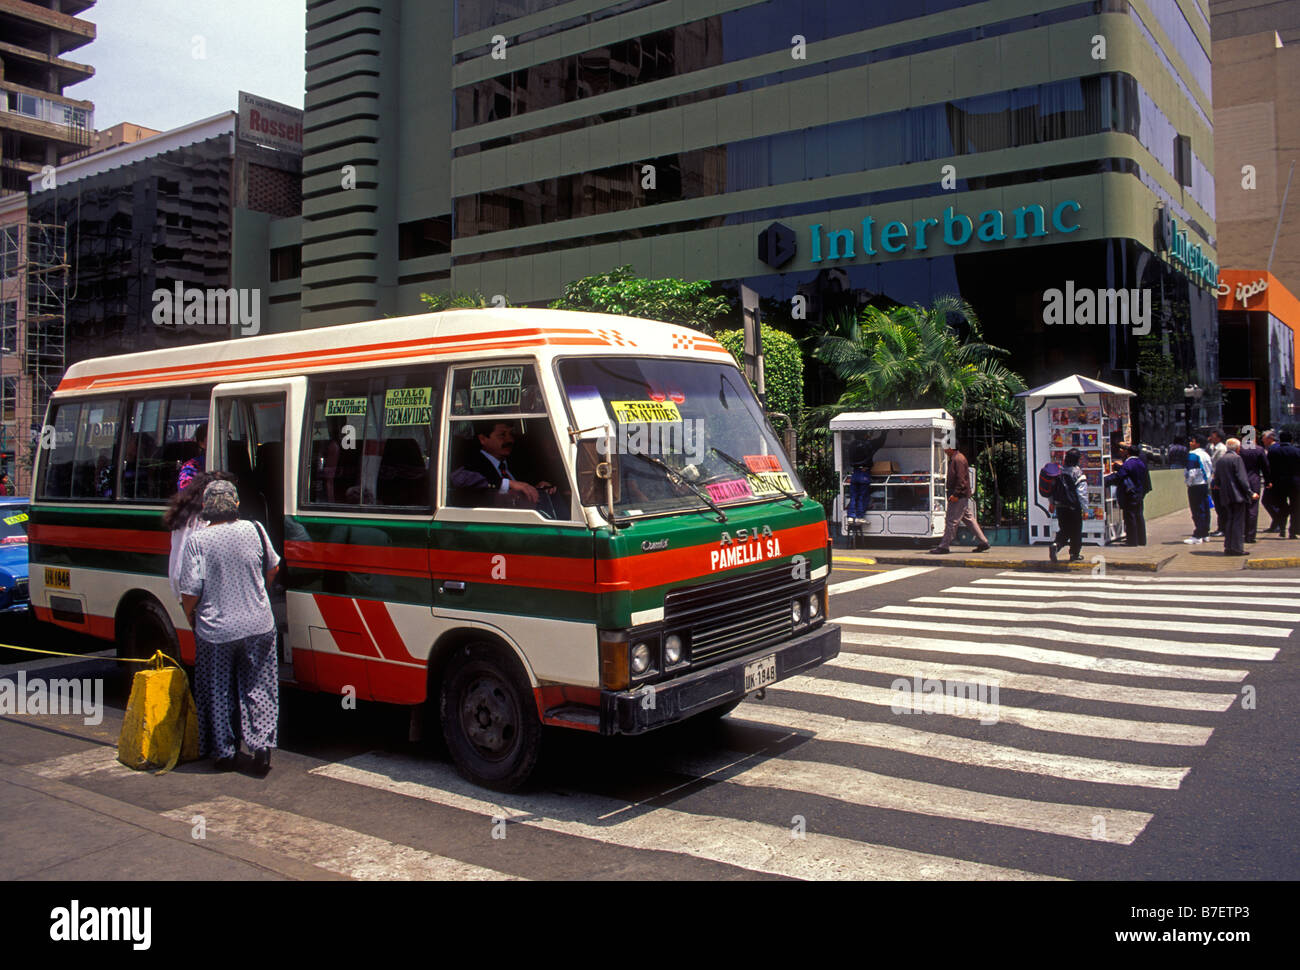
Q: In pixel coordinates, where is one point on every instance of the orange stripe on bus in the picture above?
(458, 343)
(694, 562)
(118, 540)
(384, 632)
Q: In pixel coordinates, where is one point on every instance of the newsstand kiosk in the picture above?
(1076, 412)
(909, 497)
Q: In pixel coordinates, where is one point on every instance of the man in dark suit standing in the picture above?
(1235, 494)
(1133, 482)
(485, 479)
(1284, 467)
(1255, 459)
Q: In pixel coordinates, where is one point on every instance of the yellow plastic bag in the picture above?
(161, 726)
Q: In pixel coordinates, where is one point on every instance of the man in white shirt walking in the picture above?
(1200, 470)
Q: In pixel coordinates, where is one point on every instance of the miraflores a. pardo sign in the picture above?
(955, 229)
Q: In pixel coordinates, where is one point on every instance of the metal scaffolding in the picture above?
(38, 263)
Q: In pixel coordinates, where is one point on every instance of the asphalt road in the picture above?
(1142, 728)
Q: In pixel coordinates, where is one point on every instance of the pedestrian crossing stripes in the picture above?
(1109, 596)
(755, 845)
(959, 750)
(1079, 748)
(1236, 629)
(1055, 722)
(1039, 655)
(1228, 651)
(331, 847)
(1082, 607)
(1035, 683)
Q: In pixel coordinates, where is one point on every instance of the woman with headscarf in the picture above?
(183, 517)
(225, 572)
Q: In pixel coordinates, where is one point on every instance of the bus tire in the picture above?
(148, 630)
(489, 718)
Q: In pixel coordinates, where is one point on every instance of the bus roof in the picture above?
(467, 334)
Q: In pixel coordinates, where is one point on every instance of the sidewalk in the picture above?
(53, 829)
(1165, 551)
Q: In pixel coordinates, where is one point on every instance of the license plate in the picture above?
(760, 673)
(58, 578)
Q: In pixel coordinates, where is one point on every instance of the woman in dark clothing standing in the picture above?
(225, 571)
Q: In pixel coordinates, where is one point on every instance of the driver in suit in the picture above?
(486, 479)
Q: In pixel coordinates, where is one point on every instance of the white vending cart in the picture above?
(1076, 412)
(909, 469)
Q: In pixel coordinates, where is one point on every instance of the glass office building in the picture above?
(1014, 152)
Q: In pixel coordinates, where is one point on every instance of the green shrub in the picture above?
(782, 367)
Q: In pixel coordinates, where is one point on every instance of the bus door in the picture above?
(251, 436)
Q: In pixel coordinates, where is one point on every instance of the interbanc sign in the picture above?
(1192, 259)
(1026, 222)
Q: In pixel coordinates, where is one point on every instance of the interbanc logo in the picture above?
(1028, 222)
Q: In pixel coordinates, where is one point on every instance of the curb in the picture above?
(1273, 562)
(1032, 565)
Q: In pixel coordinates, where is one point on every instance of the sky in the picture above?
(165, 63)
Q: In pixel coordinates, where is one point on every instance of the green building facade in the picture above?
(893, 151)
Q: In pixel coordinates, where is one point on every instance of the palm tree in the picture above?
(910, 357)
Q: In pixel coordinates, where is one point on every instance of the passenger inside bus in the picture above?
(486, 477)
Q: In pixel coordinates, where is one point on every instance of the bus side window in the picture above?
(57, 451)
(93, 469)
(372, 440)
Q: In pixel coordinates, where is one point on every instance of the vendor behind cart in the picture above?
(861, 454)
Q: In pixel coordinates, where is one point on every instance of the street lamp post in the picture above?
(1190, 393)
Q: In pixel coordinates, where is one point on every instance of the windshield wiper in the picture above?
(674, 477)
(744, 470)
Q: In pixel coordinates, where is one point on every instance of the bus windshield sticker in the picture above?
(644, 412)
(408, 406)
(762, 463)
(770, 483)
(15, 519)
(729, 489)
(588, 407)
(342, 407)
(495, 387)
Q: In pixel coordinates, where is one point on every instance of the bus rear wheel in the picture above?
(489, 718)
(149, 630)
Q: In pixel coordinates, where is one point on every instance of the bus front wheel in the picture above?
(149, 630)
(489, 718)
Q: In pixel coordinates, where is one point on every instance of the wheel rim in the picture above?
(489, 716)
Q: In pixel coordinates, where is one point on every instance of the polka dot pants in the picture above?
(241, 675)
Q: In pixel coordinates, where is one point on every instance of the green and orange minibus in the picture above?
(507, 518)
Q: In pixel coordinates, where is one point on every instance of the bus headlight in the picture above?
(640, 659)
(672, 650)
(814, 607)
(796, 612)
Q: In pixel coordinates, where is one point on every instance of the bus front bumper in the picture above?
(643, 709)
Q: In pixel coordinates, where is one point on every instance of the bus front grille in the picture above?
(734, 615)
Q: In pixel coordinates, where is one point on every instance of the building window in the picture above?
(10, 238)
(9, 326)
(286, 263)
(424, 237)
(9, 393)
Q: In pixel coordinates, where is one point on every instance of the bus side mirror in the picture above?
(596, 473)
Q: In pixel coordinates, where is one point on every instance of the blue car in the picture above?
(14, 597)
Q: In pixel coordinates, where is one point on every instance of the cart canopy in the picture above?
(1073, 386)
(894, 420)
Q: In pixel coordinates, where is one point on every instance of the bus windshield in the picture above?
(697, 417)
